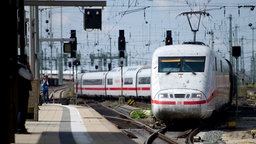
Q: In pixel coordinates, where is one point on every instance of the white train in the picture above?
(189, 81)
(185, 82)
(136, 83)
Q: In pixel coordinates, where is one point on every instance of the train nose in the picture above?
(181, 94)
(178, 104)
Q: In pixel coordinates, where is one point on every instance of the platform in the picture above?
(71, 124)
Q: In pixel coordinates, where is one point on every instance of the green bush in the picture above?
(137, 114)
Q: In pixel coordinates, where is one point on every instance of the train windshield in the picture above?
(181, 64)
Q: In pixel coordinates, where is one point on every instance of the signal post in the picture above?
(121, 49)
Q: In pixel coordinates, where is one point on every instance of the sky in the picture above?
(145, 23)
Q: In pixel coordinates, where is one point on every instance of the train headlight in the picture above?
(196, 95)
(163, 95)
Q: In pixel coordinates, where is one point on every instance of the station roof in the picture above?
(87, 3)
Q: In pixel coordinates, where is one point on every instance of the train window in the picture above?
(144, 80)
(194, 64)
(92, 82)
(110, 81)
(128, 81)
(181, 64)
(169, 64)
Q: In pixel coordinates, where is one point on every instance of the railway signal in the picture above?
(73, 44)
(236, 51)
(168, 40)
(92, 19)
(121, 49)
(121, 45)
(121, 41)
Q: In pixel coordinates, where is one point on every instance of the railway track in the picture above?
(138, 131)
(59, 94)
(143, 133)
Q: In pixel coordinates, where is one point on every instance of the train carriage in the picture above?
(93, 84)
(188, 82)
(136, 83)
(130, 81)
(129, 88)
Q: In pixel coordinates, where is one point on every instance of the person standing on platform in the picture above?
(44, 88)
(25, 77)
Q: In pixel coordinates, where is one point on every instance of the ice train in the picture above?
(189, 82)
(185, 82)
(108, 84)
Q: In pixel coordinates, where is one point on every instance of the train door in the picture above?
(129, 82)
(79, 84)
(143, 83)
(113, 83)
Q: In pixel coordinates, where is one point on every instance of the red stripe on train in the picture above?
(93, 88)
(178, 102)
(144, 88)
(185, 102)
(115, 88)
(163, 102)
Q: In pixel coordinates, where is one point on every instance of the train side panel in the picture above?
(113, 83)
(93, 84)
(130, 78)
(143, 83)
(78, 85)
(223, 84)
(129, 82)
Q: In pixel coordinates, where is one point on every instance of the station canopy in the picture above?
(88, 3)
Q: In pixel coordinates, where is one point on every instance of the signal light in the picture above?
(168, 40)
(92, 19)
(121, 40)
(121, 44)
(73, 44)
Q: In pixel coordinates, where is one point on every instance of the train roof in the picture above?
(55, 72)
(183, 50)
(129, 68)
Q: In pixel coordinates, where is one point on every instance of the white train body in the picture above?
(93, 83)
(188, 82)
(136, 83)
(143, 82)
